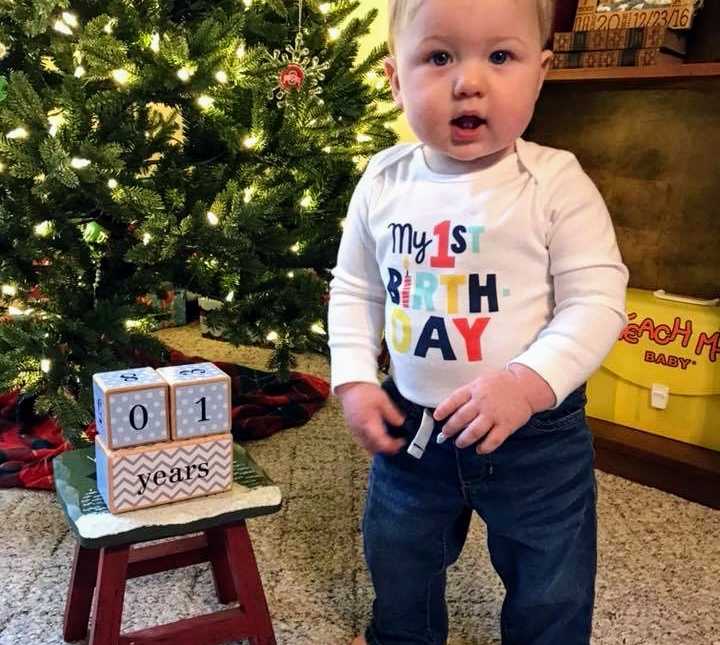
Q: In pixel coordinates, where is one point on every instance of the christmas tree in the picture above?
(210, 145)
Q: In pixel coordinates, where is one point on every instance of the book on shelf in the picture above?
(639, 38)
(622, 14)
(614, 58)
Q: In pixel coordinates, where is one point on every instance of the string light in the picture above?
(248, 195)
(250, 141)
(307, 201)
(240, 51)
(343, 223)
(363, 138)
(230, 297)
(333, 33)
(184, 74)
(121, 76)
(70, 19)
(108, 28)
(221, 76)
(78, 163)
(4, 50)
(295, 248)
(16, 311)
(247, 3)
(2, 167)
(327, 149)
(79, 71)
(132, 324)
(212, 218)
(155, 42)
(146, 239)
(43, 229)
(56, 119)
(205, 101)
(318, 328)
(18, 133)
(272, 336)
(8, 290)
(61, 27)
(325, 8)
(112, 184)
(291, 274)
(45, 365)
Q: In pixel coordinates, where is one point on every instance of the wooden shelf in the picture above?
(651, 73)
(672, 466)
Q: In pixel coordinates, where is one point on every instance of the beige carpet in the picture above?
(659, 573)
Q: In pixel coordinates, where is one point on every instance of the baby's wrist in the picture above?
(537, 391)
(345, 388)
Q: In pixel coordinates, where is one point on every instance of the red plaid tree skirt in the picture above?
(261, 406)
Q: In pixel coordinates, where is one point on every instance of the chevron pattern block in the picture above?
(136, 478)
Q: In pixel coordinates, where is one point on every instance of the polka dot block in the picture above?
(199, 400)
(131, 407)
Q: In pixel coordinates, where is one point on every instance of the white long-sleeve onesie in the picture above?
(517, 263)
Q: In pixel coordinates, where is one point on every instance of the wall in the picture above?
(652, 150)
(376, 37)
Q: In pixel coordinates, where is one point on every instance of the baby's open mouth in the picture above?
(468, 122)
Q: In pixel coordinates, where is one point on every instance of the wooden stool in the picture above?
(110, 551)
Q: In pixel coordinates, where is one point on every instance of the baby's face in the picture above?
(467, 74)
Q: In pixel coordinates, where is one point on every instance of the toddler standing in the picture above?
(491, 265)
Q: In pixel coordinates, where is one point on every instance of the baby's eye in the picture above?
(500, 57)
(439, 58)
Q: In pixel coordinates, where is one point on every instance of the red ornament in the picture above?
(292, 77)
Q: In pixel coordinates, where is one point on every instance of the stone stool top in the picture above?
(253, 493)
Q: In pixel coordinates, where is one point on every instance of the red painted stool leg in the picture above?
(109, 595)
(80, 593)
(248, 585)
(222, 577)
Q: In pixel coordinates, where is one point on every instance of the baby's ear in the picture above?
(546, 59)
(391, 72)
(545, 64)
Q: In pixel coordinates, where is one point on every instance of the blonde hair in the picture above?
(403, 11)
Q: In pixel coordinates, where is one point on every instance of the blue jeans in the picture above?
(536, 493)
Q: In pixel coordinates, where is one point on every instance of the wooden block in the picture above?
(131, 407)
(199, 399)
(676, 15)
(134, 478)
(614, 58)
(613, 39)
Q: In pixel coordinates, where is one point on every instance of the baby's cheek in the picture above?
(425, 119)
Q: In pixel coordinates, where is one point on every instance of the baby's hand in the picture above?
(367, 407)
(494, 406)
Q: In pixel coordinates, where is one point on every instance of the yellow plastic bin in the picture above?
(663, 375)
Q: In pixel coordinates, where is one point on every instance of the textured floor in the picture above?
(658, 579)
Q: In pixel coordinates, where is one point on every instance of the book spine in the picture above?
(610, 58)
(639, 38)
(677, 15)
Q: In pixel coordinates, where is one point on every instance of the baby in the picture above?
(490, 263)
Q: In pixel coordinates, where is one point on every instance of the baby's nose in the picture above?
(470, 81)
